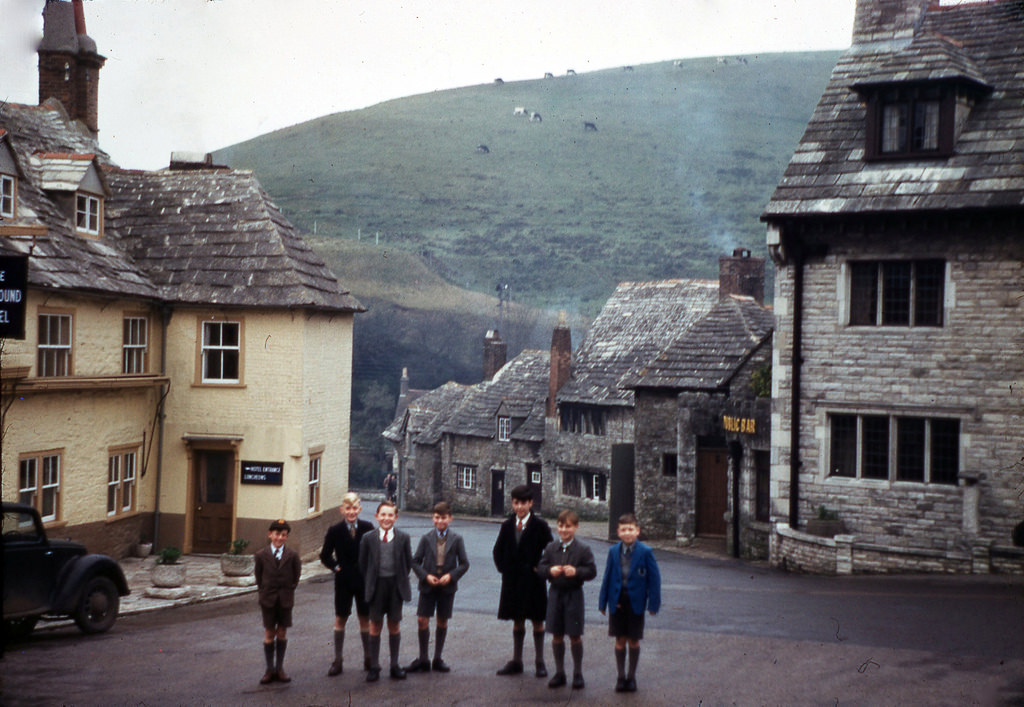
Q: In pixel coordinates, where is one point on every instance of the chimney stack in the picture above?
(741, 275)
(887, 20)
(69, 66)
(561, 362)
(495, 354)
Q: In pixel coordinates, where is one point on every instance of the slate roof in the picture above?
(637, 321)
(523, 378)
(977, 44)
(421, 417)
(709, 353)
(196, 237)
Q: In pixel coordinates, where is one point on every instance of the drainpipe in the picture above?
(794, 404)
(165, 318)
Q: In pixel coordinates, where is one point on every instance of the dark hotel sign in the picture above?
(267, 473)
(13, 283)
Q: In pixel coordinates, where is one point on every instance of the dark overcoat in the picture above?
(523, 593)
(276, 580)
(456, 562)
(340, 554)
(369, 563)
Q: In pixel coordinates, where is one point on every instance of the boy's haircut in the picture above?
(442, 508)
(628, 519)
(568, 517)
(387, 503)
(351, 499)
(522, 493)
(281, 524)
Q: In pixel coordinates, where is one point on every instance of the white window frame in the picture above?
(465, 476)
(28, 480)
(504, 429)
(113, 484)
(121, 478)
(42, 489)
(54, 358)
(135, 345)
(8, 196)
(314, 482)
(88, 213)
(220, 351)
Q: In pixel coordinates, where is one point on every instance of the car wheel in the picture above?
(17, 629)
(97, 607)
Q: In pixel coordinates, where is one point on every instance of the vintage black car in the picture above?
(46, 578)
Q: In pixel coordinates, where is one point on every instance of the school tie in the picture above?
(385, 538)
(352, 530)
(520, 526)
(277, 554)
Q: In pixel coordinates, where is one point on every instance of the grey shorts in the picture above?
(386, 601)
(434, 600)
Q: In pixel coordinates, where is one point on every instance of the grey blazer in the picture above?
(424, 562)
(369, 563)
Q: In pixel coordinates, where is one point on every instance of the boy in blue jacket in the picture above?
(631, 584)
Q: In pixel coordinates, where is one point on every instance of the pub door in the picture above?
(214, 509)
(712, 491)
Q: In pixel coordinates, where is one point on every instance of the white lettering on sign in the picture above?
(744, 425)
(10, 296)
(3, 317)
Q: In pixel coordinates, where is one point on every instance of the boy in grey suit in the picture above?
(385, 559)
(567, 563)
(439, 562)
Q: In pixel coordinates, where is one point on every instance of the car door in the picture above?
(28, 565)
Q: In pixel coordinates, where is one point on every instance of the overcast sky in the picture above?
(199, 75)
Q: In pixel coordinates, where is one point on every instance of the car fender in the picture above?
(75, 575)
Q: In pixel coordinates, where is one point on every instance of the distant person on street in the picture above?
(385, 559)
(567, 563)
(390, 487)
(278, 570)
(631, 584)
(439, 562)
(521, 540)
(340, 554)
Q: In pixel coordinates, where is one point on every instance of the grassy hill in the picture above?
(680, 166)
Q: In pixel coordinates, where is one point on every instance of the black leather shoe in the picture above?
(620, 685)
(513, 667)
(281, 676)
(268, 677)
(542, 671)
(418, 666)
(630, 685)
(577, 682)
(557, 681)
(397, 673)
(335, 669)
(439, 666)
(373, 675)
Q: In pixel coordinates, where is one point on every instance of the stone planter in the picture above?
(168, 582)
(237, 570)
(824, 528)
(144, 549)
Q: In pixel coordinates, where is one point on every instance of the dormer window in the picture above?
(908, 122)
(88, 211)
(504, 429)
(8, 195)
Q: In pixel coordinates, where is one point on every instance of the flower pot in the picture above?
(169, 575)
(237, 565)
(144, 549)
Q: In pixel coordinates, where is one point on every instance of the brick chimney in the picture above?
(495, 354)
(561, 362)
(741, 274)
(887, 20)
(69, 67)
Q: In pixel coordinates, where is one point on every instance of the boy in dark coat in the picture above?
(567, 563)
(278, 570)
(631, 584)
(521, 540)
(340, 554)
(439, 562)
(385, 559)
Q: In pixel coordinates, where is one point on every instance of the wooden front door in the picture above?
(712, 491)
(214, 501)
(497, 492)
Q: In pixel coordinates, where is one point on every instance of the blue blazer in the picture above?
(643, 586)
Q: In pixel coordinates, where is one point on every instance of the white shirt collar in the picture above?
(386, 534)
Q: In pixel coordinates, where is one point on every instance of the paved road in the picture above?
(729, 633)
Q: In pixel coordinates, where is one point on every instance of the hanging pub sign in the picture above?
(743, 425)
(13, 283)
(265, 473)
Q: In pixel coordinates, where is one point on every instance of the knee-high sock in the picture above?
(365, 636)
(517, 644)
(282, 645)
(620, 662)
(424, 636)
(577, 657)
(394, 641)
(439, 636)
(558, 650)
(339, 644)
(634, 657)
(538, 646)
(373, 651)
(268, 653)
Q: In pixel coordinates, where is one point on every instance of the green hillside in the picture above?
(677, 172)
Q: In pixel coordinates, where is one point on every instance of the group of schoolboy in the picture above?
(371, 569)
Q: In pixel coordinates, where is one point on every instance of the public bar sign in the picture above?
(743, 425)
(13, 283)
(266, 473)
